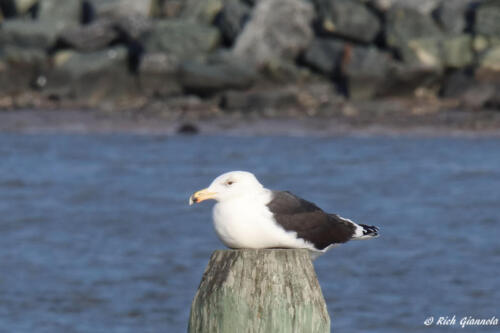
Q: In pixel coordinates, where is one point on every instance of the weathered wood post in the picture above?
(268, 290)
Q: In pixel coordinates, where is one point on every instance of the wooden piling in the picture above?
(267, 290)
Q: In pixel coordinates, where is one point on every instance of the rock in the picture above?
(206, 79)
(181, 38)
(404, 25)
(359, 71)
(130, 17)
(188, 129)
(365, 70)
(19, 69)
(425, 51)
(92, 37)
(324, 55)
(53, 18)
(82, 63)
(93, 77)
(158, 75)
(487, 18)
(278, 29)
(452, 15)
(61, 14)
(425, 7)
(489, 65)
(458, 51)
(442, 51)
(28, 34)
(347, 18)
(482, 43)
(231, 20)
(201, 11)
(13, 54)
(121, 8)
(132, 27)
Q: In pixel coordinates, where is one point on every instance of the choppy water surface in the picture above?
(96, 234)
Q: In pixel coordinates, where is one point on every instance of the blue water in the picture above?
(96, 234)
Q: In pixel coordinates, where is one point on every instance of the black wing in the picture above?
(309, 221)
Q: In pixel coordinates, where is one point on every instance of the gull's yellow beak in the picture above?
(201, 195)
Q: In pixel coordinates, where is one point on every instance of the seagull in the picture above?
(249, 216)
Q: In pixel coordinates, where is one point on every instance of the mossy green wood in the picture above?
(268, 290)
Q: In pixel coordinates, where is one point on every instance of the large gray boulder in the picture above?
(455, 51)
(53, 18)
(201, 11)
(207, 78)
(425, 7)
(133, 26)
(130, 17)
(359, 70)
(324, 55)
(482, 43)
(487, 18)
(458, 51)
(347, 18)
(61, 14)
(119, 8)
(91, 78)
(278, 29)
(159, 75)
(452, 15)
(404, 25)
(91, 37)
(184, 39)
(28, 34)
(366, 72)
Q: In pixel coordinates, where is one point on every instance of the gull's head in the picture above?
(227, 186)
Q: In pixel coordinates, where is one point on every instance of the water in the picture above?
(96, 234)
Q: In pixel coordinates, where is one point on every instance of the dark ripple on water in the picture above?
(97, 236)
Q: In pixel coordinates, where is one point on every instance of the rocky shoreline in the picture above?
(386, 122)
(397, 63)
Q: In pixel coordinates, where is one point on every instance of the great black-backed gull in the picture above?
(247, 215)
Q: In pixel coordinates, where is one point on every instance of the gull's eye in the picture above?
(229, 182)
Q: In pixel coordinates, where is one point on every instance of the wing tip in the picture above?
(369, 231)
